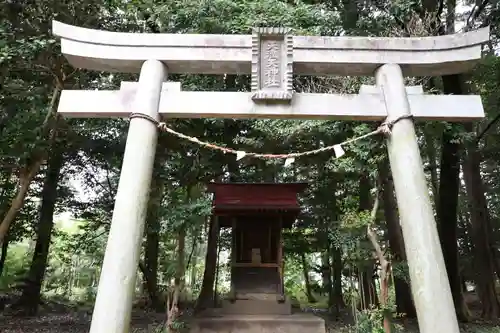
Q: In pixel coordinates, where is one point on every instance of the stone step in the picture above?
(259, 296)
(256, 307)
(296, 323)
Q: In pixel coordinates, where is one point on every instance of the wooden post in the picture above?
(242, 246)
(234, 250)
(217, 255)
(269, 244)
(429, 280)
(234, 253)
(119, 271)
(280, 260)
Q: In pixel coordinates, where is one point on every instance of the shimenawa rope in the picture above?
(385, 128)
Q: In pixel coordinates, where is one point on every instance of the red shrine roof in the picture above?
(244, 197)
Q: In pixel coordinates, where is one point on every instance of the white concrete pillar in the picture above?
(429, 281)
(118, 275)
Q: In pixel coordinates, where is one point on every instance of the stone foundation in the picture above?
(295, 323)
(256, 307)
(256, 304)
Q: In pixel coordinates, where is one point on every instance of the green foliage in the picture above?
(401, 270)
(356, 220)
(294, 279)
(371, 321)
(15, 266)
(223, 16)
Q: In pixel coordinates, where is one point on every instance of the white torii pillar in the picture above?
(272, 56)
(429, 279)
(116, 288)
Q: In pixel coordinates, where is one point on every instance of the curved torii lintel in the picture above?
(232, 54)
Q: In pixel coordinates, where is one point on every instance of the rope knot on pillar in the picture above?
(386, 127)
(144, 116)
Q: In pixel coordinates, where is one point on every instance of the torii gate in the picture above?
(272, 56)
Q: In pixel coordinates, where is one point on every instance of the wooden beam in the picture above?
(239, 105)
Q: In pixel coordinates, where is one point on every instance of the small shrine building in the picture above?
(256, 214)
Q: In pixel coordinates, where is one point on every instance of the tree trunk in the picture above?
(335, 252)
(144, 287)
(25, 180)
(3, 257)
(337, 279)
(305, 271)
(431, 155)
(152, 246)
(197, 249)
(449, 185)
(206, 300)
(31, 168)
(368, 294)
(175, 298)
(194, 262)
(326, 275)
(350, 16)
(31, 295)
(404, 300)
(385, 265)
(153, 227)
(181, 258)
(464, 285)
(483, 262)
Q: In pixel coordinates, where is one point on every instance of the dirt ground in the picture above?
(142, 322)
(61, 318)
(72, 322)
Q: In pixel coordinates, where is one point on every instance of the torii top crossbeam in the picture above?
(234, 54)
